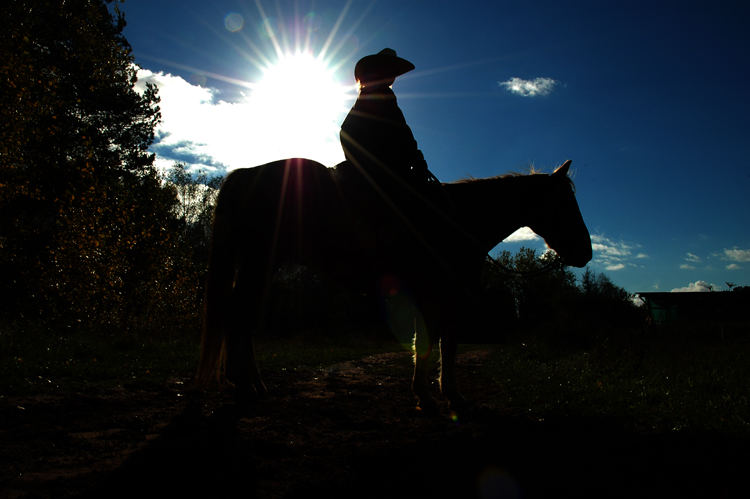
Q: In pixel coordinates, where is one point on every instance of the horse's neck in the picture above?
(494, 208)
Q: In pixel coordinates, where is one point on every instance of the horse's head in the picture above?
(558, 220)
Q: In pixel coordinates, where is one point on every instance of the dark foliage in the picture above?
(193, 214)
(196, 197)
(606, 303)
(87, 229)
(548, 300)
(521, 293)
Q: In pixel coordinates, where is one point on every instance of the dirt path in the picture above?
(349, 430)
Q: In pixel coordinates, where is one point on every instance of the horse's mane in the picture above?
(486, 180)
(470, 179)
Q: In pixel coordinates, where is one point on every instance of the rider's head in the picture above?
(381, 69)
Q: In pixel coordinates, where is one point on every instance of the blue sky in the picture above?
(649, 100)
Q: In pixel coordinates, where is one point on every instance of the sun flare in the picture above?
(296, 92)
(300, 105)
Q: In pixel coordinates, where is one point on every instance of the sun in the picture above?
(299, 105)
(296, 90)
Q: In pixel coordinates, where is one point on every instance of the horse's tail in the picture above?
(219, 286)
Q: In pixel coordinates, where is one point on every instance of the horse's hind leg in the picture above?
(241, 365)
(448, 384)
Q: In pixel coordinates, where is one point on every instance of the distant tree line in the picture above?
(546, 297)
(522, 293)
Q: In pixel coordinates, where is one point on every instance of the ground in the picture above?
(345, 430)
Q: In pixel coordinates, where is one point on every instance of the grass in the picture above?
(652, 383)
(657, 381)
(43, 362)
(314, 350)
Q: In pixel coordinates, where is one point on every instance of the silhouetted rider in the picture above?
(374, 135)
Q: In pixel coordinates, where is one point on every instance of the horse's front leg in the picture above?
(420, 385)
(448, 384)
(241, 366)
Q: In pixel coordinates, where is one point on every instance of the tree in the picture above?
(196, 198)
(540, 285)
(552, 302)
(603, 302)
(85, 223)
(194, 210)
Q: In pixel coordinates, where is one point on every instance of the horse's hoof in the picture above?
(244, 400)
(247, 397)
(427, 406)
(261, 391)
(458, 402)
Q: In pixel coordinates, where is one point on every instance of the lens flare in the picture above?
(234, 22)
(311, 22)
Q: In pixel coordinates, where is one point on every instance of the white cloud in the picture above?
(694, 287)
(609, 247)
(614, 255)
(521, 235)
(692, 257)
(198, 128)
(689, 261)
(733, 266)
(737, 255)
(529, 88)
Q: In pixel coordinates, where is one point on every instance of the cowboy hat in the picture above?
(385, 65)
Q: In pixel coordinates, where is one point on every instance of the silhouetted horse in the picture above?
(331, 219)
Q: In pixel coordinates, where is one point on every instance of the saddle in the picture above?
(415, 182)
(395, 211)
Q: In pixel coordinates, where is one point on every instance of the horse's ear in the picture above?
(562, 170)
